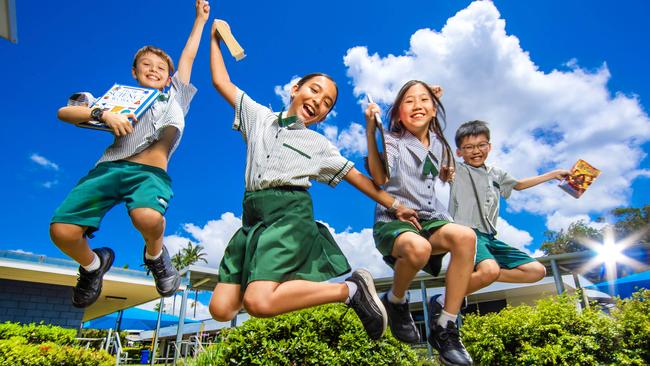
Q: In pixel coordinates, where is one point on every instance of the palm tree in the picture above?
(185, 257)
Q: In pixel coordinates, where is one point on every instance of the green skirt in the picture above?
(385, 234)
(280, 241)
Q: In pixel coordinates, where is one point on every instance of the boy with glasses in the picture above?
(474, 202)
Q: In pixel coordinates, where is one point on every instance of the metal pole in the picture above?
(425, 309)
(233, 322)
(181, 323)
(557, 277)
(583, 294)
(155, 335)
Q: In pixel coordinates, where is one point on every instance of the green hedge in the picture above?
(46, 345)
(554, 332)
(317, 336)
(16, 351)
(38, 333)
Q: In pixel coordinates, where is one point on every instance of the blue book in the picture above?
(120, 99)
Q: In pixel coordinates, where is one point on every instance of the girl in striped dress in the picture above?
(417, 153)
(275, 262)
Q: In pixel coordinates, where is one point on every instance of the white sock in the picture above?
(441, 299)
(352, 289)
(394, 299)
(94, 265)
(152, 257)
(445, 317)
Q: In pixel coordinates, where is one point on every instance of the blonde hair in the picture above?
(156, 51)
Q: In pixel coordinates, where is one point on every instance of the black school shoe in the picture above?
(451, 350)
(167, 278)
(401, 322)
(89, 284)
(367, 305)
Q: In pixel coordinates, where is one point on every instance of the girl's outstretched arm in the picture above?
(375, 166)
(220, 78)
(370, 189)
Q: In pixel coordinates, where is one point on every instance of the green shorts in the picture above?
(385, 234)
(489, 247)
(280, 241)
(109, 184)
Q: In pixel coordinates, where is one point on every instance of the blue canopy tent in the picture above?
(625, 286)
(134, 318)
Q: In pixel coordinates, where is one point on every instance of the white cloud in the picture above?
(539, 120)
(43, 161)
(20, 251)
(514, 237)
(202, 311)
(50, 183)
(351, 141)
(213, 237)
(284, 91)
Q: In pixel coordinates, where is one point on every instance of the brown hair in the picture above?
(435, 125)
(156, 51)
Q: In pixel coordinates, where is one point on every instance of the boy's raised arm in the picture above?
(191, 47)
(533, 181)
(220, 77)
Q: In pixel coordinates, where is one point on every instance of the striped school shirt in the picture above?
(408, 182)
(491, 182)
(281, 151)
(168, 111)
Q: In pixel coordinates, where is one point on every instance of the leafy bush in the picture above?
(326, 335)
(633, 316)
(555, 333)
(38, 333)
(16, 351)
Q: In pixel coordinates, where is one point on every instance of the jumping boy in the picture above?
(131, 170)
(474, 202)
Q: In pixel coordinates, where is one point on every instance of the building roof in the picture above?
(122, 288)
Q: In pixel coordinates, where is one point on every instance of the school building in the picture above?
(37, 288)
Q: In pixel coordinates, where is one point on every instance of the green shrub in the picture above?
(553, 332)
(317, 336)
(633, 315)
(16, 351)
(38, 333)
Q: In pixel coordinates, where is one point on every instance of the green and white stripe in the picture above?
(289, 155)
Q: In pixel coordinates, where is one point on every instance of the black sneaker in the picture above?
(89, 284)
(401, 322)
(167, 278)
(451, 350)
(367, 305)
(435, 309)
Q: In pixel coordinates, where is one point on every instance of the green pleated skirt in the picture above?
(280, 241)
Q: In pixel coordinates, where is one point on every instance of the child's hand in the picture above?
(560, 174)
(371, 122)
(436, 90)
(120, 124)
(447, 174)
(202, 10)
(406, 214)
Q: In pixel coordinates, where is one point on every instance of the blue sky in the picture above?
(561, 81)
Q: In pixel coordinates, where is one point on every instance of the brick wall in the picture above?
(27, 302)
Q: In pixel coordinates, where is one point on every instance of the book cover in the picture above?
(122, 99)
(581, 177)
